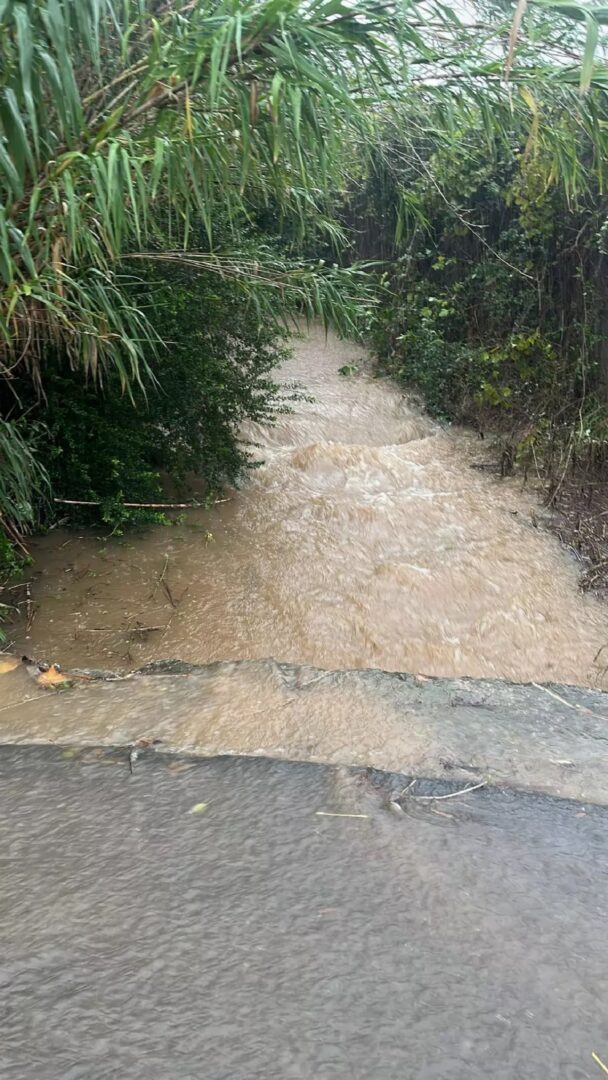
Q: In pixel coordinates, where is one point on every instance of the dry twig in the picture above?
(450, 795)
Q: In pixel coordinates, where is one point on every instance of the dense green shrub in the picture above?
(212, 371)
(496, 305)
(494, 381)
(98, 448)
(23, 489)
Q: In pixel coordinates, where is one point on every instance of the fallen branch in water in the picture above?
(120, 630)
(162, 581)
(138, 506)
(164, 570)
(25, 701)
(570, 704)
(30, 608)
(145, 506)
(451, 795)
(598, 1061)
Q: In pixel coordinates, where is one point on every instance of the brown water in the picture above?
(366, 539)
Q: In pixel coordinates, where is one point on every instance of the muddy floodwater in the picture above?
(241, 918)
(368, 538)
(208, 920)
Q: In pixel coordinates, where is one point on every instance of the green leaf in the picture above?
(56, 87)
(108, 125)
(159, 160)
(21, 244)
(275, 94)
(23, 29)
(11, 175)
(589, 53)
(6, 260)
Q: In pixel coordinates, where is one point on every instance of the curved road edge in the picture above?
(551, 739)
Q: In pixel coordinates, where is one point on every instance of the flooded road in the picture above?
(246, 919)
(366, 539)
(204, 920)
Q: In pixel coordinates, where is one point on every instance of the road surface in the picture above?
(201, 920)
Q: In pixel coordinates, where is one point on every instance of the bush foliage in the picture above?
(495, 299)
(212, 371)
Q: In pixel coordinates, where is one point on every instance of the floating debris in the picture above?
(50, 676)
(134, 749)
(53, 676)
(450, 795)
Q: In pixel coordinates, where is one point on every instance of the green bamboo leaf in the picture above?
(159, 163)
(214, 71)
(20, 243)
(55, 85)
(275, 94)
(572, 11)
(142, 192)
(72, 230)
(111, 169)
(34, 202)
(25, 44)
(238, 36)
(97, 10)
(589, 53)
(16, 134)
(126, 167)
(108, 125)
(58, 33)
(7, 267)
(11, 176)
(296, 103)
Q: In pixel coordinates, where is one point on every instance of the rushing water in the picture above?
(202, 918)
(366, 539)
